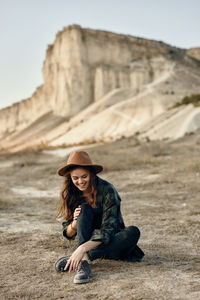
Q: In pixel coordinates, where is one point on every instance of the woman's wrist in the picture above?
(89, 245)
(82, 247)
(72, 226)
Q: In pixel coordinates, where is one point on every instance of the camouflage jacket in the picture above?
(108, 199)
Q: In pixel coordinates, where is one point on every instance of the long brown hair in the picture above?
(71, 197)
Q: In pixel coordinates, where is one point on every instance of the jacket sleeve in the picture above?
(65, 224)
(110, 217)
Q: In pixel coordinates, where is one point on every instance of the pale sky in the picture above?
(28, 26)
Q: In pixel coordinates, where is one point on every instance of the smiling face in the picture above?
(81, 179)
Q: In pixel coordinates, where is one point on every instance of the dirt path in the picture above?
(159, 186)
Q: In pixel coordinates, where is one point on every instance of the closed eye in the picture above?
(76, 178)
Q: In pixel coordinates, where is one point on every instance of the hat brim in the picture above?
(62, 171)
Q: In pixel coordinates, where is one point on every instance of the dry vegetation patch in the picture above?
(159, 186)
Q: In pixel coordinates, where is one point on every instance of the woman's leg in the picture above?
(84, 224)
(122, 242)
(84, 233)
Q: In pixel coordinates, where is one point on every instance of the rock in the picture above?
(80, 68)
(194, 52)
(98, 86)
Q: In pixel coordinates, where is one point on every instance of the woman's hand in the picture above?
(77, 213)
(75, 259)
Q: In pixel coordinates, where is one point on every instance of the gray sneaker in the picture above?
(83, 274)
(61, 263)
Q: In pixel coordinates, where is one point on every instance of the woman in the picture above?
(91, 209)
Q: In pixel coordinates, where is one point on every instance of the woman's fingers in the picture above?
(76, 215)
(73, 266)
(70, 265)
(67, 265)
(75, 259)
(77, 212)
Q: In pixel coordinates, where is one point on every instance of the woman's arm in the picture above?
(89, 245)
(72, 227)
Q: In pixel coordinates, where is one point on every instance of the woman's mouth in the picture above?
(82, 185)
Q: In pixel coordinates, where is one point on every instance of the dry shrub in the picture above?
(192, 99)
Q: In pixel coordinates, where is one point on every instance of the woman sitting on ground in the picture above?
(91, 209)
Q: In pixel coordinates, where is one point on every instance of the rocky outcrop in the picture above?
(22, 113)
(194, 52)
(98, 86)
(80, 68)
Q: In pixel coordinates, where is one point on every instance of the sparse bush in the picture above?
(192, 99)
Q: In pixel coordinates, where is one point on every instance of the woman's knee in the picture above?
(133, 231)
(86, 207)
(85, 223)
(86, 210)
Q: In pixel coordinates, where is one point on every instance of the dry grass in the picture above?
(159, 187)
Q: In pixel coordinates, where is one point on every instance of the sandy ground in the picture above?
(159, 183)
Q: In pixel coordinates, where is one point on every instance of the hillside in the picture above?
(194, 52)
(100, 86)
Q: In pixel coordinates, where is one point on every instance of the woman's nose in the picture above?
(80, 180)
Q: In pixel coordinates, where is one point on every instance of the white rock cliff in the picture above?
(98, 86)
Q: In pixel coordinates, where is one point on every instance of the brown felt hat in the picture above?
(79, 159)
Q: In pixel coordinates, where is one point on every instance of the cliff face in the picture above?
(100, 86)
(80, 68)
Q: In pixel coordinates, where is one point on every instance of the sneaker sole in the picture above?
(79, 281)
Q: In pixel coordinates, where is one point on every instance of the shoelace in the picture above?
(81, 266)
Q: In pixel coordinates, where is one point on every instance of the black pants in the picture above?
(122, 246)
